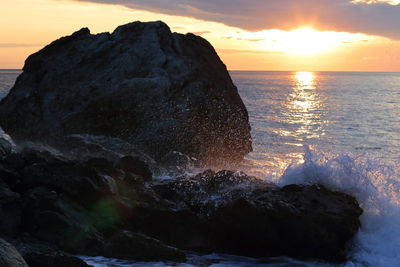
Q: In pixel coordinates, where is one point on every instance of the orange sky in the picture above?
(27, 25)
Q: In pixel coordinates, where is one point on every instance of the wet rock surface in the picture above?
(40, 254)
(75, 207)
(243, 215)
(136, 246)
(98, 207)
(9, 256)
(5, 147)
(158, 90)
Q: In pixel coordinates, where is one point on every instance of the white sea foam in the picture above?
(211, 260)
(108, 262)
(376, 187)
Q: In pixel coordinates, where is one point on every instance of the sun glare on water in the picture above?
(305, 78)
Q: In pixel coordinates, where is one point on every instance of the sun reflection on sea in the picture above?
(303, 109)
(299, 119)
(302, 117)
(305, 78)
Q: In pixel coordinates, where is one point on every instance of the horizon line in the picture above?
(369, 71)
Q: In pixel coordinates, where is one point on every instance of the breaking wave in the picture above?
(377, 188)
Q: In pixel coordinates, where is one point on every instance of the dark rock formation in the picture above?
(10, 209)
(5, 147)
(134, 165)
(9, 256)
(116, 209)
(250, 217)
(39, 254)
(53, 259)
(77, 207)
(159, 90)
(128, 245)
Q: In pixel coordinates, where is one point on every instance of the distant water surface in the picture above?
(339, 129)
(352, 113)
(7, 80)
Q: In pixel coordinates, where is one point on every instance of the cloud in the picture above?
(242, 51)
(255, 40)
(376, 17)
(371, 2)
(201, 33)
(14, 45)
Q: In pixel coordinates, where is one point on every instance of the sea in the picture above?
(339, 129)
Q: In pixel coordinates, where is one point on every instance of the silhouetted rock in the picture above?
(10, 210)
(134, 165)
(77, 207)
(174, 223)
(53, 259)
(128, 245)
(52, 217)
(9, 256)
(250, 217)
(99, 208)
(60, 201)
(39, 254)
(5, 147)
(159, 90)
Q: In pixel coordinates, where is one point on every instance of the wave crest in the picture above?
(377, 188)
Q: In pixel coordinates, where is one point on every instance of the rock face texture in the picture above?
(78, 207)
(99, 207)
(38, 254)
(243, 215)
(9, 256)
(159, 90)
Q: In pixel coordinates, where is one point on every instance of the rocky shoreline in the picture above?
(98, 119)
(52, 205)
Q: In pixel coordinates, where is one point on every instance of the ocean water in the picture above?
(357, 114)
(339, 129)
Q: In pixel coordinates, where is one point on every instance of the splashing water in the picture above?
(376, 187)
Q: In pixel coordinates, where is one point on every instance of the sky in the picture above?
(296, 35)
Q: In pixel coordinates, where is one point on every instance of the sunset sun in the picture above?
(308, 41)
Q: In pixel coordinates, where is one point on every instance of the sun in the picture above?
(306, 41)
(302, 41)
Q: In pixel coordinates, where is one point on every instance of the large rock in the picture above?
(59, 201)
(10, 209)
(77, 207)
(128, 245)
(246, 216)
(5, 147)
(159, 90)
(39, 254)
